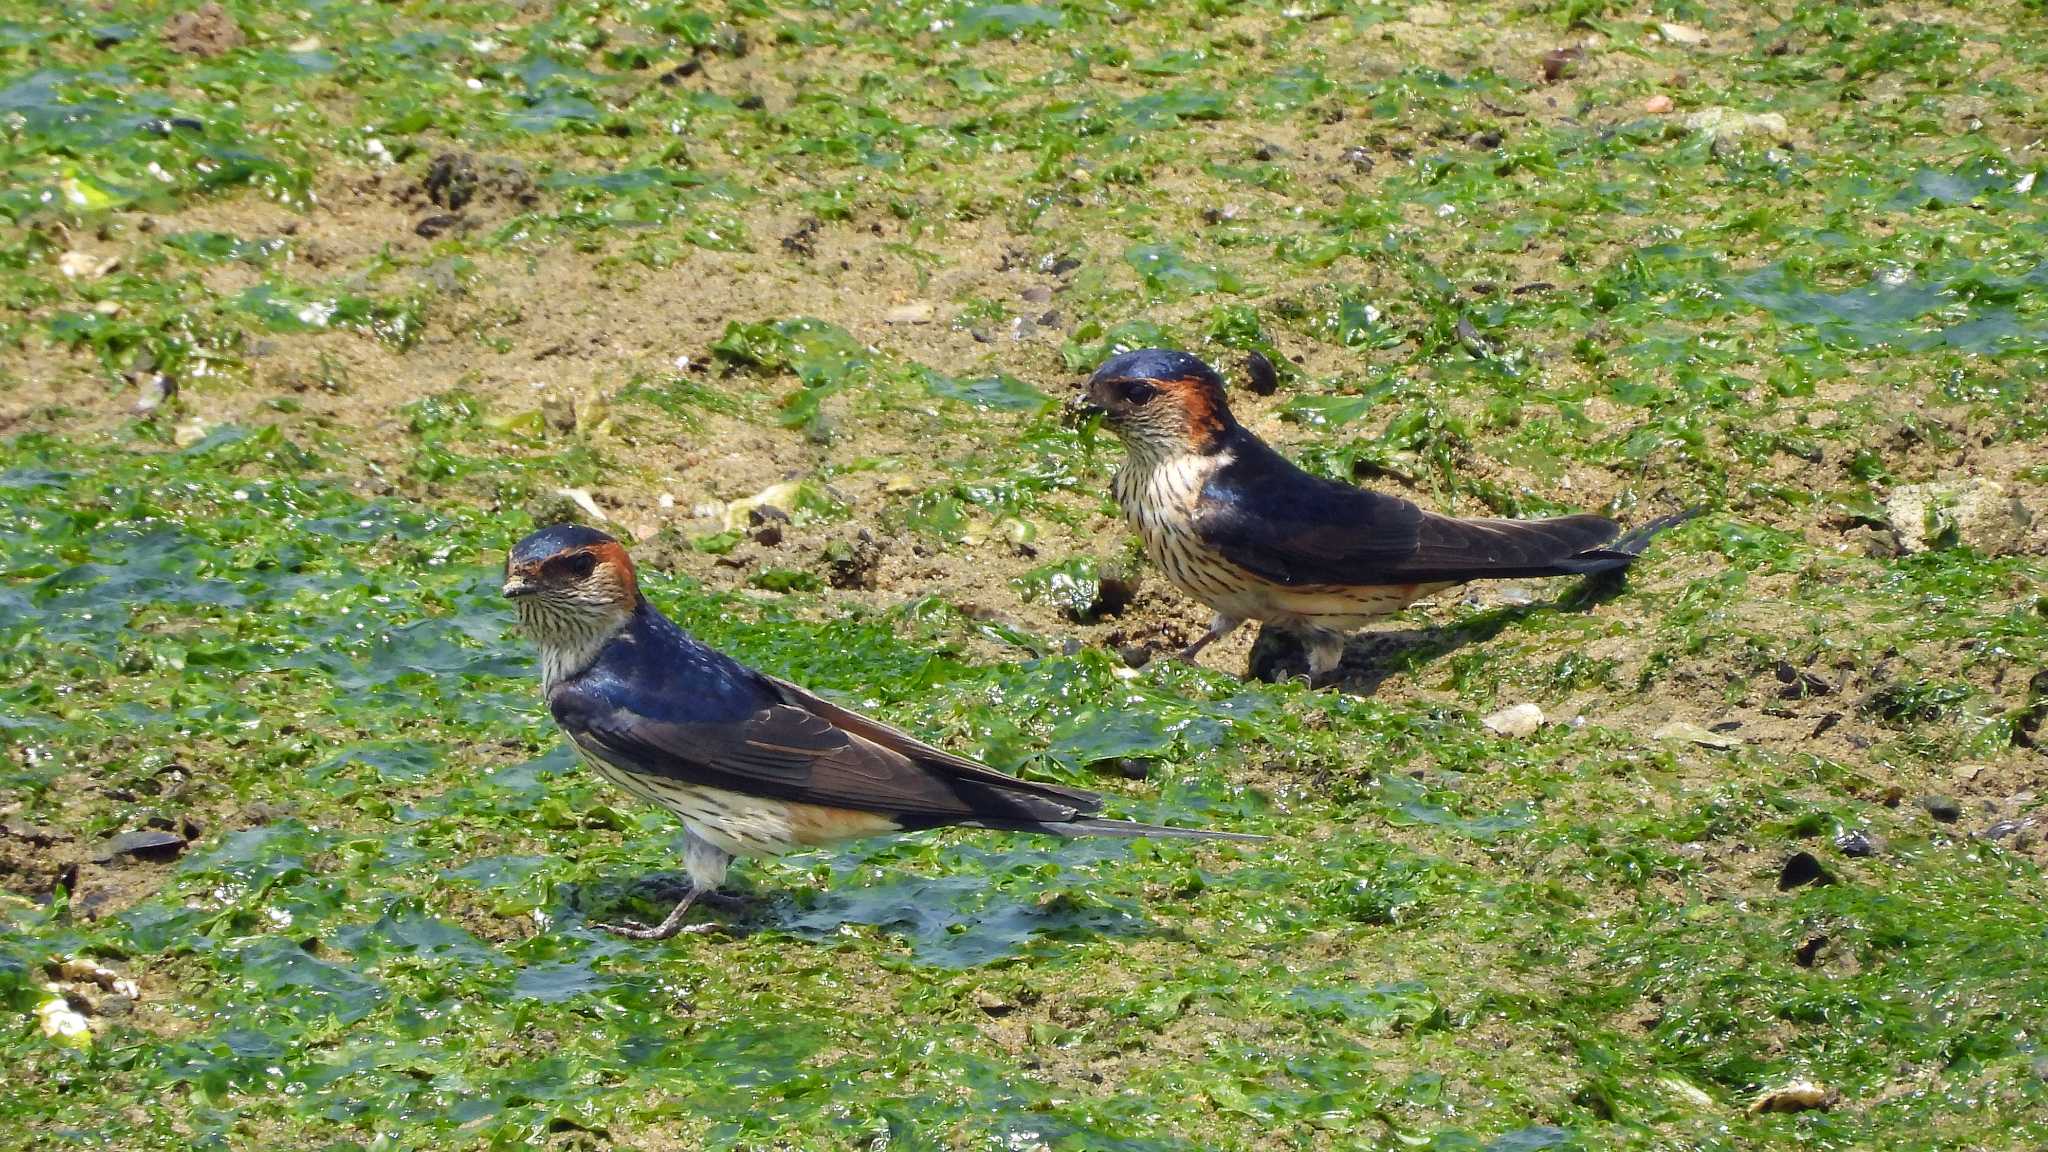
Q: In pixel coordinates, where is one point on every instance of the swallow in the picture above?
(753, 765)
(1237, 526)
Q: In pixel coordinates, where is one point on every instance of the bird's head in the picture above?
(1162, 404)
(571, 583)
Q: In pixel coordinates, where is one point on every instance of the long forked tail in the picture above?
(1625, 550)
(1096, 826)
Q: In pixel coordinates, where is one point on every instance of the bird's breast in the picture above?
(1162, 500)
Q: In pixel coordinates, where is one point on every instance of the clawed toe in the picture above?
(629, 931)
(643, 932)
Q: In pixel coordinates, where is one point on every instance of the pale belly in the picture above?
(745, 825)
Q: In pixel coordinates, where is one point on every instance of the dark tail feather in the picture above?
(1626, 550)
(1094, 826)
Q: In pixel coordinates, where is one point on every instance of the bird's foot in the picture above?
(1325, 661)
(1220, 627)
(671, 925)
(659, 931)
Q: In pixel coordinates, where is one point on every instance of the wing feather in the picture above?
(800, 749)
(1270, 518)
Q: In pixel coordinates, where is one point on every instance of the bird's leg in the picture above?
(670, 925)
(1325, 653)
(1219, 627)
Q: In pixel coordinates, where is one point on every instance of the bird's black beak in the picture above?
(1082, 407)
(517, 586)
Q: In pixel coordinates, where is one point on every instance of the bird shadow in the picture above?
(960, 919)
(1372, 658)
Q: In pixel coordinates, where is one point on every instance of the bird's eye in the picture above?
(1140, 393)
(579, 566)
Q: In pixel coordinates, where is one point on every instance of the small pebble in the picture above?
(143, 844)
(1810, 950)
(1658, 105)
(1519, 720)
(1855, 844)
(1942, 808)
(1799, 871)
(1798, 1096)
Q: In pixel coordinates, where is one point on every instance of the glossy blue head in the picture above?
(546, 542)
(568, 564)
(1162, 403)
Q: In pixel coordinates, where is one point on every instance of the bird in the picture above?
(1237, 526)
(753, 764)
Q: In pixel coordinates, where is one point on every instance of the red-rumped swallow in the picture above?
(1237, 526)
(754, 766)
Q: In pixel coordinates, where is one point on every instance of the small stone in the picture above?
(1855, 844)
(853, 563)
(1116, 585)
(152, 389)
(1358, 158)
(558, 412)
(1801, 869)
(1517, 721)
(1683, 35)
(1974, 513)
(803, 241)
(152, 844)
(86, 266)
(1809, 951)
(1134, 655)
(1036, 294)
(1658, 105)
(1561, 63)
(189, 433)
(207, 30)
(1694, 734)
(917, 312)
(1259, 377)
(1942, 808)
(451, 180)
(434, 226)
(1133, 768)
(1728, 124)
(991, 1004)
(582, 499)
(33, 833)
(1798, 1096)
(264, 812)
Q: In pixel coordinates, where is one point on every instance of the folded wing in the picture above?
(800, 748)
(1279, 523)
